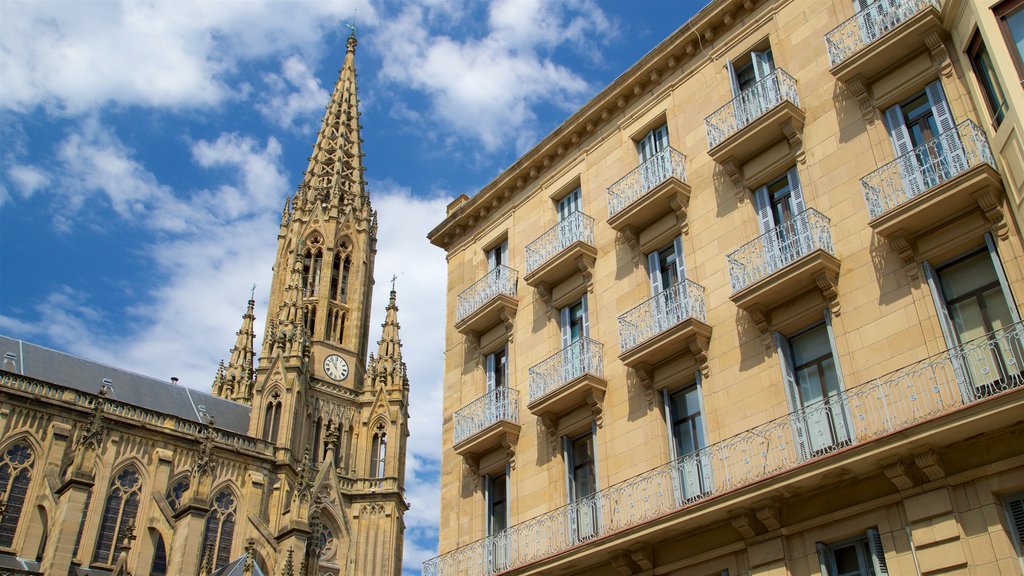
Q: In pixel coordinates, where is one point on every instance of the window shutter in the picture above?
(764, 209)
(910, 170)
(566, 327)
(567, 458)
(1015, 514)
(952, 149)
(763, 64)
(877, 552)
(769, 242)
(680, 258)
(823, 559)
(707, 480)
(801, 223)
(937, 100)
(948, 331)
(792, 394)
(504, 253)
(490, 371)
(734, 82)
(492, 259)
(840, 410)
(668, 424)
(487, 502)
(797, 191)
(661, 138)
(998, 265)
(654, 272)
(585, 332)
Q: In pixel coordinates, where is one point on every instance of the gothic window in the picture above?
(176, 493)
(378, 452)
(220, 528)
(272, 418)
(341, 327)
(15, 469)
(159, 567)
(317, 430)
(345, 267)
(335, 272)
(312, 258)
(310, 313)
(119, 511)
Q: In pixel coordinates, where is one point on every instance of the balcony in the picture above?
(941, 178)
(784, 262)
(572, 377)
(879, 37)
(761, 115)
(672, 322)
(490, 300)
(566, 248)
(651, 190)
(487, 423)
(977, 383)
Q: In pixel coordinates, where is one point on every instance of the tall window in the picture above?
(498, 256)
(655, 164)
(925, 138)
(312, 260)
(497, 503)
(861, 556)
(159, 567)
(575, 327)
(272, 418)
(346, 266)
(988, 81)
(497, 370)
(687, 429)
(220, 528)
(781, 213)
(1011, 19)
(176, 493)
(666, 267)
(1015, 516)
(582, 476)
(15, 471)
(119, 511)
(378, 452)
(750, 69)
(317, 431)
(335, 275)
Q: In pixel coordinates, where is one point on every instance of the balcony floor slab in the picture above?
(498, 309)
(671, 195)
(750, 140)
(785, 284)
(681, 338)
(495, 436)
(574, 258)
(877, 58)
(578, 392)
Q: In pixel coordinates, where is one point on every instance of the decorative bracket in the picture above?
(760, 318)
(930, 463)
(699, 348)
(510, 451)
(988, 201)
(768, 514)
(508, 319)
(631, 239)
(586, 263)
(897, 473)
(473, 339)
(635, 561)
(826, 282)
(903, 246)
(594, 399)
(939, 54)
(550, 426)
(791, 129)
(544, 293)
(473, 470)
(744, 523)
(736, 176)
(679, 207)
(859, 91)
(645, 377)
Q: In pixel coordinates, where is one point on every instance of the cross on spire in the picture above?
(393, 278)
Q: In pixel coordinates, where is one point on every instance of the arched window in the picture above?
(317, 427)
(311, 318)
(220, 528)
(335, 272)
(15, 470)
(119, 511)
(272, 418)
(378, 452)
(345, 267)
(341, 327)
(176, 493)
(314, 278)
(159, 567)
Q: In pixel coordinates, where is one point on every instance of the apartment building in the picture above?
(752, 309)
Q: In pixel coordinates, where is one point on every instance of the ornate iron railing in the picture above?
(940, 159)
(585, 356)
(497, 281)
(779, 247)
(664, 310)
(577, 227)
(869, 25)
(938, 385)
(750, 105)
(644, 178)
(502, 403)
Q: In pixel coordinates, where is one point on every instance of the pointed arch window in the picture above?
(159, 567)
(272, 418)
(15, 471)
(346, 266)
(335, 276)
(378, 452)
(317, 431)
(119, 511)
(176, 493)
(220, 528)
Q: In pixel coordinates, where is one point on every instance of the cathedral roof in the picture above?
(143, 391)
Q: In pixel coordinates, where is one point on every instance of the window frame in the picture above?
(996, 111)
(1001, 12)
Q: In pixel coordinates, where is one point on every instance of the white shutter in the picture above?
(764, 209)
(937, 100)
(566, 327)
(1001, 274)
(680, 258)
(492, 259)
(654, 272)
(823, 559)
(734, 82)
(954, 161)
(661, 138)
(910, 169)
(504, 253)
(801, 224)
(585, 332)
(769, 241)
(490, 371)
(949, 333)
(487, 502)
(792, 394)
(672, 455)
(763, 64)
(841, 417)
(706, 478)
(877, 552)
(1015, 515)
(567, 458)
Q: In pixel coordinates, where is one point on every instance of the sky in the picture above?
(146, 149)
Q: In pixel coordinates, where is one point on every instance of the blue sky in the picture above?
(147, 148)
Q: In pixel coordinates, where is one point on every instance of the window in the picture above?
(814, 388)
(497, 370)
(575, 328)
(378, 452)
(335, 273)
(220, 529)
(861, 556)
(312, 258)
(1015, 517)
(1011, 20)
(346, 267)
(15, 471)
(925, 139)
(666, 267)
(782, 217)
(655, 163)
(272, 418)
(176, 493)
(498, 256)
(988, 81)
(497, 503)
(569, 205)
(747, 71)
(581, 468)
(159, 567)
(119, 512)
(686, 428)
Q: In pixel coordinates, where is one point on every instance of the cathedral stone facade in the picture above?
(294, 465)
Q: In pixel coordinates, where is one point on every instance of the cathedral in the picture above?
(293, 465)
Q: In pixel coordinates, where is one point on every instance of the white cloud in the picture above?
(486, 87)
(70, 57)
(27, 179)
(293, 94)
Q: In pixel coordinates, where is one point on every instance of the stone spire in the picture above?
(235, 381)
(387, 368)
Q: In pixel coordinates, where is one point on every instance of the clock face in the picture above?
(335, 367)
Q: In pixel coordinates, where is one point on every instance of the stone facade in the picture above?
(293, 466)
(750, 310)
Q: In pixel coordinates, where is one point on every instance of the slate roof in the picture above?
(25, 358)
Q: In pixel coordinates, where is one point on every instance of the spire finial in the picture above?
(393, 278)
(350, 44)
(252, 293)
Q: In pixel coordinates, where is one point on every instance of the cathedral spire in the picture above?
(387, 368)
(235, 380)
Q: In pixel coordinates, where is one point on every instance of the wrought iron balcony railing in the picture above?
(750, 105)
(644, 178)
(666, 309)
(869, 25)
(940, 159)
(779, 247)
(497, 281)
(585, 356)
(502, 403)
(932, 387)
(577, 227)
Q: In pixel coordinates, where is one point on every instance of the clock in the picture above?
(336, 367)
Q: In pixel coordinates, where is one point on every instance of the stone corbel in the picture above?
(473, 471)
(550, 426)
(760, 317)
(792, 129)
(903, 247)
(473, 340)
(510, 451)
(744, 523)
(586, 263)
(631, 239)
(930, 463)
(736, 176)
(826, 282)
(508, 319)
(988, 201)
(897, 473)
(939, 54)
(699, 348)
(595, 399)
(624, 564)
(859, 91)
(768, 514)
(544, 293)
(645, 377)
(679, 207)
